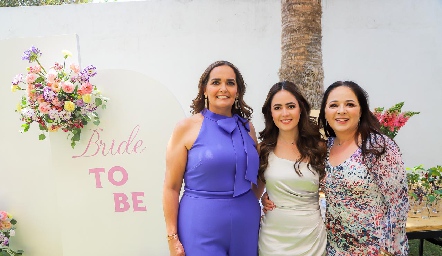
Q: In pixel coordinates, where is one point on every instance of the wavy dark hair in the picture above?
(309, 142)
(198, 103)
(368, 123)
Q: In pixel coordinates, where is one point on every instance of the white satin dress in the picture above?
(295, 226)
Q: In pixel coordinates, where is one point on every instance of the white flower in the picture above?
(12, 232)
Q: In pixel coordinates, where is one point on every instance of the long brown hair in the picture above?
(310, 142)
(198, 103)
(368, 123)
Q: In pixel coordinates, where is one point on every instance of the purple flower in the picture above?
(31, 55)
(17, 79)
(87, 73)
(79, 103)
(5, 242)
(48, 94)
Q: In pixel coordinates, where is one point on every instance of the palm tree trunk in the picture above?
(301, 60)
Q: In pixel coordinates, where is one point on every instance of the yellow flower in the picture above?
(14, 88)
(18, 107)
(69, 106)
(66, 53)
(9, 216)
(86, 98)
(53, 128)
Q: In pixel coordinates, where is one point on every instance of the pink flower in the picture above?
(75, 68)
(30, 78)
(67, 87)
(40, 99)
(51, 76)
(85, 88)
(55, 87)
(58, 66)
(3, 215)
(44, 107)
(56, 102)
(35, 69)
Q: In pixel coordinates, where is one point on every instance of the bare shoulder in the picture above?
(259, 148)
(253, 132)
(186, 130)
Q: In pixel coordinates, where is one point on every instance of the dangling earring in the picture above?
(236, 103)
(326, 123)
(206, 102)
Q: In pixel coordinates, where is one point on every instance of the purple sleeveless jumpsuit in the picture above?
(219, 214)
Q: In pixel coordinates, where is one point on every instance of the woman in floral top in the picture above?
(365, 183)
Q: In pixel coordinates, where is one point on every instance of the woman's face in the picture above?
(221, 90)
(342, 110)
(285, 111)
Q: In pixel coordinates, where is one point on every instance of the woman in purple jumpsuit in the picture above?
(214, 152)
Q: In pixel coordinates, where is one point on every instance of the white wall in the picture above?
(390, 47)
(170, 42)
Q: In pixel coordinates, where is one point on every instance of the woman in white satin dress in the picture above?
(292, 157)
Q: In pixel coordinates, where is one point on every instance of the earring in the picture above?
(326, 123)
(236, 103)
(206, 102)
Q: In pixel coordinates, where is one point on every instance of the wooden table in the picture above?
(424, 229)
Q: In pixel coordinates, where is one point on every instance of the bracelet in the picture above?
(172, 236)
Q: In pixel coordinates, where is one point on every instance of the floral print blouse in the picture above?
(367, 209)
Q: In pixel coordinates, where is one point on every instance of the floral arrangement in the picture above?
(425, 191)
(392, 119)
(425, 184)
(7, 229)
(57, 98)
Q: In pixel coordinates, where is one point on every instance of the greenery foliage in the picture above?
(17, 3)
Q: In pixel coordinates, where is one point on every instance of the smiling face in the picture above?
(221, 90)
(342, 110)
(285, 111)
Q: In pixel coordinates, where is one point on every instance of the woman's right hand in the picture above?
(267, 204)
(176, 248)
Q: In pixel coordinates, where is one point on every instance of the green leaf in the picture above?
(97, 122)
(26, 127)
(431, 198)
(42, 137)
(13, 221)
(76, 137)
(98, 101)
(39, 80)
(42, 128)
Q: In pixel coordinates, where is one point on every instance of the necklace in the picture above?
(290, 143)
(342, 142)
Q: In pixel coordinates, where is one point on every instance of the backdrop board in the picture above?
(106, 189)
(28, 182)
